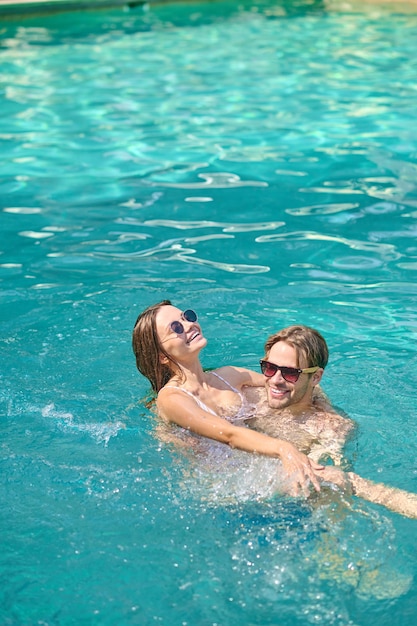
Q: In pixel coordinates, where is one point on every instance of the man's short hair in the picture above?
(308, 343)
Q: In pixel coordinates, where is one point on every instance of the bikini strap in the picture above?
(226, 382)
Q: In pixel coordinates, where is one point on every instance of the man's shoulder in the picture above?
(236, 376)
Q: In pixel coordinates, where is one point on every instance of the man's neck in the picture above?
(305, 406)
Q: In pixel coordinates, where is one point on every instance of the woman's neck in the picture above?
(190, 375)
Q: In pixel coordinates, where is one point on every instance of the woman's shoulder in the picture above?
(167, 393)
(172, 399)
(168, 390)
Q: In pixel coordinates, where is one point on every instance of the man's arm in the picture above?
(394, 499)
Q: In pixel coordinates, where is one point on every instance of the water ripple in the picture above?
(386, 250)
(173, 250)
(236, 268)
(323, 209)
(227, 228)
(332, 189)
(22, 210)
(220, 180)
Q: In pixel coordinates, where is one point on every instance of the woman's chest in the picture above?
(223, 402)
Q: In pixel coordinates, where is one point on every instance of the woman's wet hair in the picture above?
(308, 343)
(148, 349)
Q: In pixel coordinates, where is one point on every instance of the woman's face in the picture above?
(179, 337)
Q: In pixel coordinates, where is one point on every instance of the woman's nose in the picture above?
(186, 323)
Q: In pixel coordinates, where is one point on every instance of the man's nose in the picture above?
(277, 377)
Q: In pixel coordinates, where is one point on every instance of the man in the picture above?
(293, 366)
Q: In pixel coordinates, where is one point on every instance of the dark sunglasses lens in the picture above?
(190, 315)
(290, 374)
(268, 369)
(177, 327)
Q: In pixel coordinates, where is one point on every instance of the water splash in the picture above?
(99, 432)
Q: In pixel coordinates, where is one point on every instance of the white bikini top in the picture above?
(240, 415)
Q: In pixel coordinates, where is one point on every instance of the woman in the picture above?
(167, 344)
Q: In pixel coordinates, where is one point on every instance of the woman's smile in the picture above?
(194, 336)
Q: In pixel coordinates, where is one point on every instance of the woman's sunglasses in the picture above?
(189, 316)
(290, 374)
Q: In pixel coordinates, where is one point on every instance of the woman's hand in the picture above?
(301, 471)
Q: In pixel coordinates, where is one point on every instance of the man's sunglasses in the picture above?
(189, 316)
(290, 374)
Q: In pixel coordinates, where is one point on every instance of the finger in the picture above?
(306, 490)
(293, 489)
(309, 479)
(316, 466)
(304, 480)
(314, 481)
(309, 470)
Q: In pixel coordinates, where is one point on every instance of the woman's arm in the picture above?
(174, 406)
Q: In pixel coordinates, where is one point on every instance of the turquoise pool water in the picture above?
(258, 164)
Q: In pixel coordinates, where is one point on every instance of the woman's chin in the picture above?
(198, 343)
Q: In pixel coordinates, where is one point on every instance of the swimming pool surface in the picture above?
(258, 163)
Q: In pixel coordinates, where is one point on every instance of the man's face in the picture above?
(282, 394)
